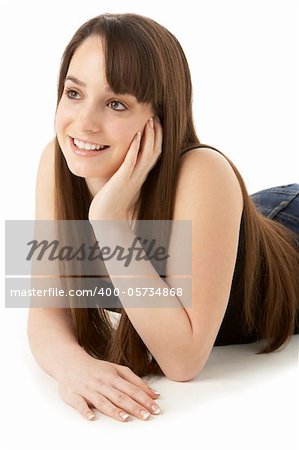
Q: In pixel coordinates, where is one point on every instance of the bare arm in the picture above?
(50, 333)
(52, 339)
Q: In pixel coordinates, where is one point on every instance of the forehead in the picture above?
(89, 57)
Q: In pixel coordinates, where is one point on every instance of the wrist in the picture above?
(109, 217)
(70, 358)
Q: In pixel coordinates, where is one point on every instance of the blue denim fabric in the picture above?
(280, 203)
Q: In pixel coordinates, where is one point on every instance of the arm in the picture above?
(155, 325)
(52, 339)
(50, 333)
(180, 339)
(83, 381)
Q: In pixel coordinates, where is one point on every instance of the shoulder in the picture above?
(203, 158)
(46, 161)
(45, 182)
(48, 152)
(205, 173)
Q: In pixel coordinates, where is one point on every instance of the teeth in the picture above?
(84, 146)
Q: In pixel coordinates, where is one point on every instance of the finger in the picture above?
(80, 404)
(149, 138)
(132, 155)
(146, 156)
(130, 376)
(105, 406)
(137, 394)
(152, 146)
(154, 136)
(112, 401)
(158, 136)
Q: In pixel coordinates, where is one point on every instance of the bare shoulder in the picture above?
(207, 172)
(47, 156)
(45, 182)
(204, 157)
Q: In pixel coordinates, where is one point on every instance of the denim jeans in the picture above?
(280, 203)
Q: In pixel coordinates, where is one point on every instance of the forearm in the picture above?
(161, 321)
(52, 339)
(166, 332)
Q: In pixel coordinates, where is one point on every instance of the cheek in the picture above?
(62, 119)
(125, 133)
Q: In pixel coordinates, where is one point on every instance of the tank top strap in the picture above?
(192, 147)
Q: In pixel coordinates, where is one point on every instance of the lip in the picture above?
(82, 152)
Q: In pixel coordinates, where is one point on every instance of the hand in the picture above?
(87, 382)
(119, 195)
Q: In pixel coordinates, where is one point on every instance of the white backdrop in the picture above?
(244, 61)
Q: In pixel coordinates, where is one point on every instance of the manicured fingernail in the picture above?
(123, 415)
(138, 136)
(144, 414)
(151, 122)
(155, 392)
(90, 415)
(155, 409)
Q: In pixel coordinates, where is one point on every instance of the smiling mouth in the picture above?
(81, 145)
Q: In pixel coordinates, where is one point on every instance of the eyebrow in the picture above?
(81, 83)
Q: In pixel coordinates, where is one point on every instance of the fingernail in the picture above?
(90, 415)
(157, 119)
(138, 136)
(144, 414)
(151, 122)
(123, 415)
(155, 409)
(155, 392)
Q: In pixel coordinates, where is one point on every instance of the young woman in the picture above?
(111, 161)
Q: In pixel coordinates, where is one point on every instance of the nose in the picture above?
(90, 120)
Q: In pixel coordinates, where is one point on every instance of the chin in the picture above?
(85, 169)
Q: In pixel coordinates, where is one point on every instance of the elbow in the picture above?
(184, 367)
(181, 376)
(182, 372)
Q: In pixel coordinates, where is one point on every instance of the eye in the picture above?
(113, 102)
(69, 92)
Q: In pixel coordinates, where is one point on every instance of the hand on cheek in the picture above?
(117, 197)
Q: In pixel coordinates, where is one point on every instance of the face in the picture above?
(90, 114)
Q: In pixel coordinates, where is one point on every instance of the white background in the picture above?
(244, 62)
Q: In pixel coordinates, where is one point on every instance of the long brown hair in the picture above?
(145, 60)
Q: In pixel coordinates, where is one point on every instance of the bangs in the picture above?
(131, 66)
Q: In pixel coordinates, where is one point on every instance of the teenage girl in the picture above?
(126, 147)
